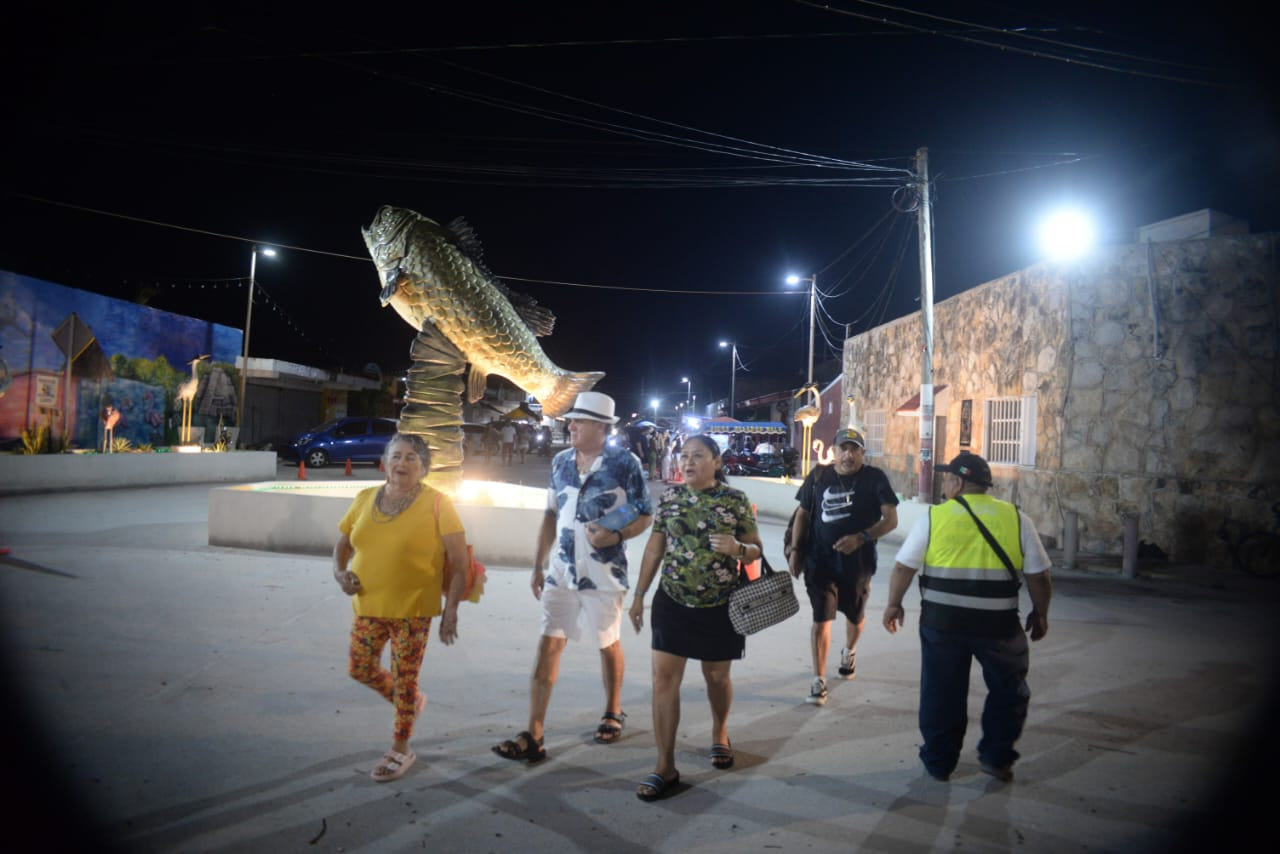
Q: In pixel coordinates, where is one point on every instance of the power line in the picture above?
(1038, 54)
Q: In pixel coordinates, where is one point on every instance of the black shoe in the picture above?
(1003, 773)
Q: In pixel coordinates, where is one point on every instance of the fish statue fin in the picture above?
(464, 237)
(539, 320)
(475, 383)
(566, 391)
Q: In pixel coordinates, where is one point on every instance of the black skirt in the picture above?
(704, 634)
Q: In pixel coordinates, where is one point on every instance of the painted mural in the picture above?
(130, 357)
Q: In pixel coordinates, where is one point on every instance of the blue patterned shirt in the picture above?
(615, 479)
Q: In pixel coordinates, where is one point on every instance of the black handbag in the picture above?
(765, 602)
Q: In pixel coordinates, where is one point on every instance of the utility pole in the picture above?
(925, 227)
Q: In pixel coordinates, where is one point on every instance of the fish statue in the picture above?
(433, 276)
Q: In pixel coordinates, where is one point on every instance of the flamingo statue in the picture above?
(187, 394)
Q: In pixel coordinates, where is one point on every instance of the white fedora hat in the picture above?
(593, 406)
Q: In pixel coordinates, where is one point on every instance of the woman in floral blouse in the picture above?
(702, 529)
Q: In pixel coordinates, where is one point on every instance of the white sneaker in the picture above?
(846, 664)
(817, 692)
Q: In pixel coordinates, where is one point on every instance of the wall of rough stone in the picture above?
(1167, 412)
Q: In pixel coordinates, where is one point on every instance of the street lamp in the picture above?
(793, 279)
(733, 374)
(248, 318)
(1066, 234)
(654, 404)
(688, 392)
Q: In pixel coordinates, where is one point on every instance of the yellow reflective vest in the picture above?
(964, 586)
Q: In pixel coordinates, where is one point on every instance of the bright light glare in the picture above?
(724, 343)
(654, 403)
(1066, 234)
(684, 379)
(267, 252)
(793, 279)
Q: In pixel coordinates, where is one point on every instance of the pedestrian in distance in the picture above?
(702, 530)
(596, 501)
(508, 443)
(390, 559)
(972, 551)
(843, 510)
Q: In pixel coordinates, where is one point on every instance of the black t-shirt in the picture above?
(839, 505)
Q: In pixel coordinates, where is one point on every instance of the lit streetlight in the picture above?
(688, 392)
(733, 374)
(1066, 234)
(248, 319)
(654, 403)
(793, 279)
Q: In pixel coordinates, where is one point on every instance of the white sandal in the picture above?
(393, 766)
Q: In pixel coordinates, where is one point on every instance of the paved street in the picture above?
(171, 696)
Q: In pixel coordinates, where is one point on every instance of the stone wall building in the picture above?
(1139, 380)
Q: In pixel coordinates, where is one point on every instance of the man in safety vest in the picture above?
(969, 609)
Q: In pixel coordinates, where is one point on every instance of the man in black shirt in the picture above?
(844, 509)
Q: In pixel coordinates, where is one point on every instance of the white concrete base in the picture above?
(502, 520)
(23, 473)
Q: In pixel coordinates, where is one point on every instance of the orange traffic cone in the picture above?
(348, 471)
(302, 469)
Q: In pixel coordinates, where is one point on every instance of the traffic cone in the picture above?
(348, 471)
(302, 469)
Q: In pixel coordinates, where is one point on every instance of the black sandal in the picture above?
(659, 787)
(531, 751)
(608, 733)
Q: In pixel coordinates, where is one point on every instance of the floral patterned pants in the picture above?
(399, 685)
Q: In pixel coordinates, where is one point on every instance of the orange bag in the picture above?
(473, 589)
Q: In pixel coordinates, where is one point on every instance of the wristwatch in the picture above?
(867, 538)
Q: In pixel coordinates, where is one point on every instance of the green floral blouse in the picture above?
(692, 574)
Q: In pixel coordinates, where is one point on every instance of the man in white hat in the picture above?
(597, 500)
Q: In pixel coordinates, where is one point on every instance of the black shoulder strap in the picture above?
(1000, 553)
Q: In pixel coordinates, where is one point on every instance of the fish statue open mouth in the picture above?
(433, 276)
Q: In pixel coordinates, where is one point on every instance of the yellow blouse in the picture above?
(399, 561)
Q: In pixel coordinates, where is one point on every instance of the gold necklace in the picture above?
(400, 505)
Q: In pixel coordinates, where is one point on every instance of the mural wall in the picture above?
(127, 355)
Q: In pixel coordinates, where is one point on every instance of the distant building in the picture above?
(1138, 381)
(67, 353)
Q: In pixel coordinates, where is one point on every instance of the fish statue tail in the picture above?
(566, 390)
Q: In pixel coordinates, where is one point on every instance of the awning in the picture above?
(732, 426)
(912, 406)
(521, 414)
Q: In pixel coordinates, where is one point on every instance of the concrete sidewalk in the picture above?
(193, 698)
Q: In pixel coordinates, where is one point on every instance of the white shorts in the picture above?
(564, 611)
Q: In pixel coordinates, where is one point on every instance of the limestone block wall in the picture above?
(1155, 371)
(1172, 406)
(1003, 338)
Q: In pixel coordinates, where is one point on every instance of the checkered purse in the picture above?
(762, 603)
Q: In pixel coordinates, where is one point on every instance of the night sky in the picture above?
(650, 151)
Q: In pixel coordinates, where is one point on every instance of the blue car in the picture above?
(361, 440)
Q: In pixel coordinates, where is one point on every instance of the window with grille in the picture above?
(1009, 431)
(875, 432)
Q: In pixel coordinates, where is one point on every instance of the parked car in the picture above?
(361, 440)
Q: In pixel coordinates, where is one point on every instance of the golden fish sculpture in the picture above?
(433, 276)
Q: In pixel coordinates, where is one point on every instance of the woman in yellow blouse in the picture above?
(390, 559)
